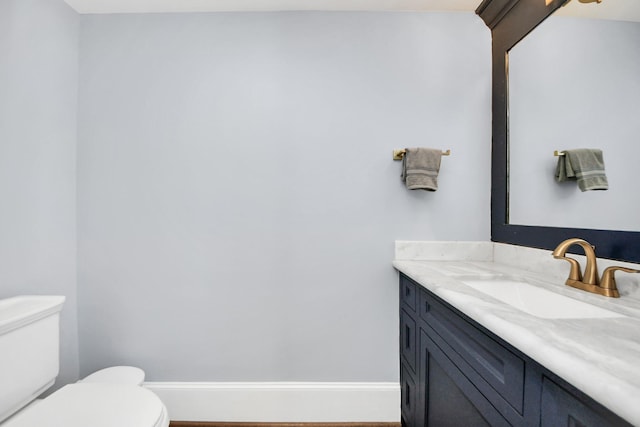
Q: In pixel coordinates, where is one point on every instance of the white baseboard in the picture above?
(280, 402)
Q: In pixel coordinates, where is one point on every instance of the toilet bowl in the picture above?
(111, 397)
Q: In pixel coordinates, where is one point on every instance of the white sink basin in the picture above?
(537, 301)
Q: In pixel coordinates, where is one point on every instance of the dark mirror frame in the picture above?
(510, 21)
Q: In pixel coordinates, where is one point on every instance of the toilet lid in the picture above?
(116, 374)
(95, 405)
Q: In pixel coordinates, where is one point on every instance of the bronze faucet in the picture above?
(589, 282)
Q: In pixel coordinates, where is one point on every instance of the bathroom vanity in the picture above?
(471, 356)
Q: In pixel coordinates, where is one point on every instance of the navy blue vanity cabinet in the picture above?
(454, 372)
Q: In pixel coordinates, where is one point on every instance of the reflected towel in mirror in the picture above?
(585, 165)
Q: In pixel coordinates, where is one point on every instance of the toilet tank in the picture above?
(29, 349)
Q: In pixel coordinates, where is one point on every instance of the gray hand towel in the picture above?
(420, 168)
(585, 165)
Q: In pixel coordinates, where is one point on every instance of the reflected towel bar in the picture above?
(399, 154)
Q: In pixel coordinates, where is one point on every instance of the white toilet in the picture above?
(29, 364)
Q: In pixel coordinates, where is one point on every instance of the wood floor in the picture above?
(228, 424)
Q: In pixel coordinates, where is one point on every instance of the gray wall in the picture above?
(237, 200)
(38, 93)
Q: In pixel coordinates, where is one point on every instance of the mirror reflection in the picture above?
(574, 82)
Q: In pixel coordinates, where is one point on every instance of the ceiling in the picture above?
(626, 10)
(156, 6)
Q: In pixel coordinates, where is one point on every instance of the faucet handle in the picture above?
(574, 274)
(609, 281)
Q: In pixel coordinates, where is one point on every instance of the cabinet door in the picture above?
(450, 399)
(562, 409)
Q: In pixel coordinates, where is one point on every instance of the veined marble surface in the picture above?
(601, 356)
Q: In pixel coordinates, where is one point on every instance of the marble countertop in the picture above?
(600, 356)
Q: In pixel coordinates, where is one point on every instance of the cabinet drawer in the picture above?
(502, 370)
(408, 339)
(408, 293)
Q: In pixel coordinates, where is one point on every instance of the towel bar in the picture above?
(399, 154)
(558, 153)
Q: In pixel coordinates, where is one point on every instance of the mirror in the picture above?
(510, 22)
(574, 82)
